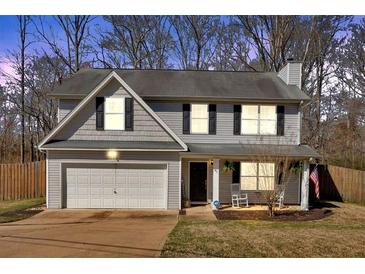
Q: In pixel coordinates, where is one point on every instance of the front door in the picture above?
(198, 182)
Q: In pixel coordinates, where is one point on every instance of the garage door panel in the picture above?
(96, 203)
(96, 191)
(127, 186)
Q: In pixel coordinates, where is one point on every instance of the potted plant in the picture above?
(228, 166)
(187, 203)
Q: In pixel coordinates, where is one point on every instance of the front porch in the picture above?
(205, 180)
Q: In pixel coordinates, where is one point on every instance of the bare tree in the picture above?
(232, 50)
(271, 38)
(72, 47)
(135, 41)
(195, 40)
(324, 40)
(23, 22)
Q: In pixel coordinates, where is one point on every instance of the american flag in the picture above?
(315, 180)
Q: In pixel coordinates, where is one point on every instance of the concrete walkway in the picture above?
(88, 233)
(203, 212)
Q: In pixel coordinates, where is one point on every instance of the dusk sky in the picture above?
(9, 31)
(9, 34)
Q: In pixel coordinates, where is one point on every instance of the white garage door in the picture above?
(116, 186)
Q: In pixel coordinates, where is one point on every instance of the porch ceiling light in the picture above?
(112, 154)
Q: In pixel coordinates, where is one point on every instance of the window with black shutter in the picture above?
(237, 119)
(280, 121)
(129, 114)
(99, 113)
(236, 173)
(186, 118)
(212, 119)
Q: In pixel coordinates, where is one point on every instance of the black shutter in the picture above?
(186, 118)
(236, 173)
(99, 113)
(212, 119)
(237, 119)
(129, 114)
(280, 120)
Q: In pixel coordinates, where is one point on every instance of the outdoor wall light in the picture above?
(210, 162)
(112, 154)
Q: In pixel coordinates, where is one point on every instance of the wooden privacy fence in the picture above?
(340, 184)
(22, 181)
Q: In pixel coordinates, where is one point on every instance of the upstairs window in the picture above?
(257, 176)
(258, 119)
(199, 118)
(114, 113)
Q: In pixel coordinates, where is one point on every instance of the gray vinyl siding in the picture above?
(283, 74)
(294, 74)
(83, 125)
(54, 184)
(291, 74)
(65, 106)
(171, 114)
(57, 158)
(292, 187)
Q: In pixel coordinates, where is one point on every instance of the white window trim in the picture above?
(258, 121)
(257, 175)
(191, 119)
(105, 113)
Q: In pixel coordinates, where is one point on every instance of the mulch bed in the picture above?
(16, 215)
(289, 215)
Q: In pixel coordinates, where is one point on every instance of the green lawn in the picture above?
(15, 210)
(339, 235)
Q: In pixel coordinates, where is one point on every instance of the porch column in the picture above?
(215, 200)
(305, 187)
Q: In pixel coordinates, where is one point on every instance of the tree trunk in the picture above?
(23, 32)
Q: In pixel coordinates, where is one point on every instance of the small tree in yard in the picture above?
(273, 174)
(281, 173)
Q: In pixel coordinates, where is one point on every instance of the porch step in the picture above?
(203, 212)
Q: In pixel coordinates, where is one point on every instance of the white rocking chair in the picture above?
(280, 200)
(238, 198)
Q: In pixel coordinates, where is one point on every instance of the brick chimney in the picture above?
(291, 73)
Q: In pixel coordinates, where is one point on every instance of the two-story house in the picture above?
(150, 138)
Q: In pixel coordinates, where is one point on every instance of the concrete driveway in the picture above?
(88, 233)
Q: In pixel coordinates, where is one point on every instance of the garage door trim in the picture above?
(65, 164)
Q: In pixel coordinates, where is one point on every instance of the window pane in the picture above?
(199, 111)
(199, 125)
(266, 169)
(248, 183)
(250, 112)
(114, 121)
(267, 127)
(268, 112)
(249, 127)
(248, 169)
(266, 183)
(114, 105)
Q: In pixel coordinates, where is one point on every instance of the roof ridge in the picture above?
(176, 70)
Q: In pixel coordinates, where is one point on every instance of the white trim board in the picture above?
(92, 94)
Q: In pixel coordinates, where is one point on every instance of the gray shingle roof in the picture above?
(82, 144)
(187, 84)
(299, 151)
